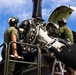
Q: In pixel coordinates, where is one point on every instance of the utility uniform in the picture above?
(7, 39)
(66, 33)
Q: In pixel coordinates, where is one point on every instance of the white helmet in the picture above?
(13, 20)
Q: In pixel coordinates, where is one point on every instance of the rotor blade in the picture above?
(60, 12)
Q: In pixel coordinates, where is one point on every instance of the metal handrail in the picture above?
(38, 62)
(4, 44)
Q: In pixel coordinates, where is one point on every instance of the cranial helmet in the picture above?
(62, 20)
(39, 18)
(13, 20)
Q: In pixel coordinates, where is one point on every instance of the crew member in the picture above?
(10, 35)
(66, 34)
(64, 31)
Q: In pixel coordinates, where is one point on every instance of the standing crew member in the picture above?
(10, 35)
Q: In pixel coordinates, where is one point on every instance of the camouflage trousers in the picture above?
(11, 67)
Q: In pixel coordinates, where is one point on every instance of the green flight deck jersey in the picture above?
(7, 37)
(8, 32)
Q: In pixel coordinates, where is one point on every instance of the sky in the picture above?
(22, 9)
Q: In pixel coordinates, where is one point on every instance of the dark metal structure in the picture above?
(37, 11)
(37, 69)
